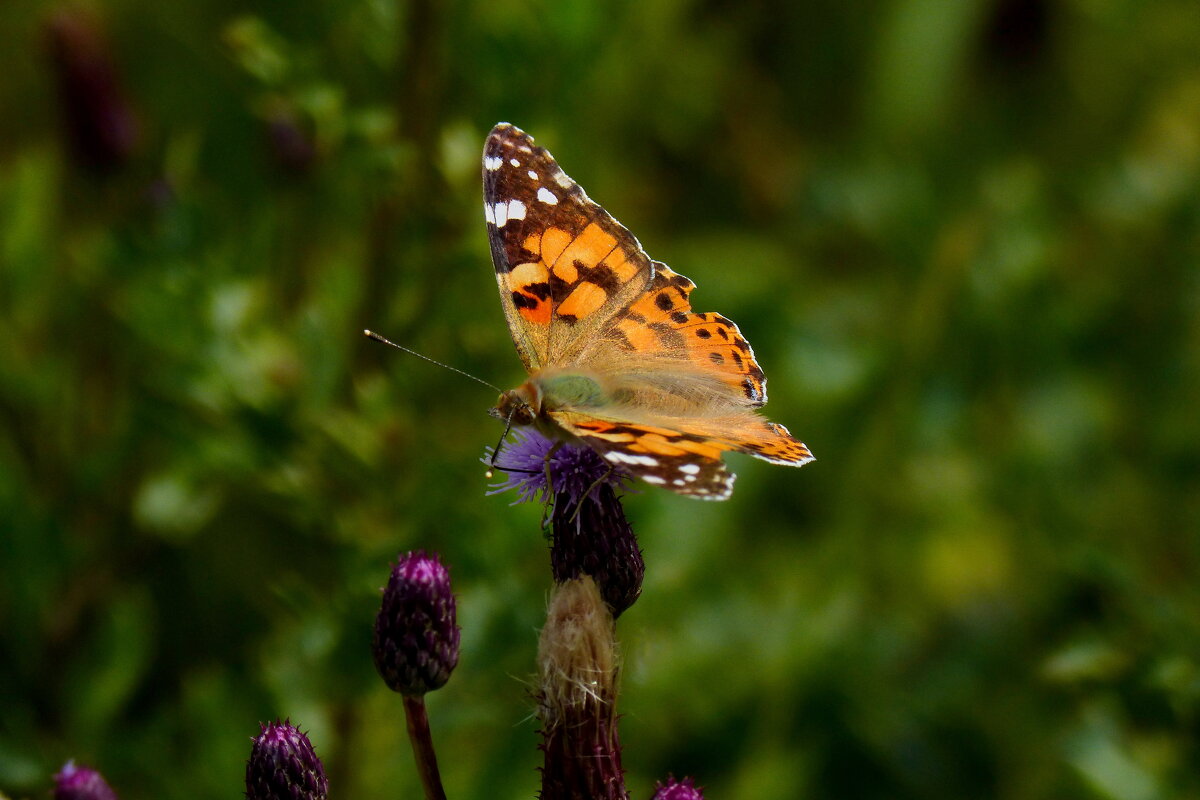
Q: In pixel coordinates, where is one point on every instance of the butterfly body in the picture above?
(617, 359)
(551, 390)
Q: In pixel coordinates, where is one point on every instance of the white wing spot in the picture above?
(489, 213)
(501, 214)
(514, 162)
(491, 163)
(678, 482)
(563, 180)
(657, 481)
(546, 196)
(516, 209)
(533, 176)
(631, 458)
(690, 469)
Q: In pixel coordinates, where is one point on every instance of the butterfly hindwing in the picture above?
(684, 463)
(662, 319)
(684, 455)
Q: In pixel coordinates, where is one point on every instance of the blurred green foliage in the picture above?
(964, 239)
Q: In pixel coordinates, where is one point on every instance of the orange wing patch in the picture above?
(590, 247)
(653, 440)
(585, 298)
(554, 241)
(579, 280)
(530, 287)
(662, 319)
(619, 263)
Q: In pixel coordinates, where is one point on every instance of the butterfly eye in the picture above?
(514, 408)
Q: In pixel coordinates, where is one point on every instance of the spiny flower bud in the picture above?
(81, 783)
(416, 638)
(284, 766)
(593, 537)
(685, 789)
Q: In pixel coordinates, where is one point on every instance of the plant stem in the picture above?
(422, 744)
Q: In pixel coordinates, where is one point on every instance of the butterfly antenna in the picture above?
(378, 338)
(508, 423)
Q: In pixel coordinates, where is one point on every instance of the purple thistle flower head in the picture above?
(416, 635)
(573, 469)
(591, 534)
(81, 783)
(284, 766)
(685, 789)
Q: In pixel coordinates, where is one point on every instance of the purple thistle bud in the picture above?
(284, 766)
(685, 789)
(101, 126)
(81, 783)
(291, 144)
(591, 534)
(416, 638)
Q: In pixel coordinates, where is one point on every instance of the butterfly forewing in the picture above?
(564, 266)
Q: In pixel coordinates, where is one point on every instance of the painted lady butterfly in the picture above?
(617, 359)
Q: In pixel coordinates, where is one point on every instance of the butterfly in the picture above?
(617, 359)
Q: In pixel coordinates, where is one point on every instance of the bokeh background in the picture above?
(963, 237)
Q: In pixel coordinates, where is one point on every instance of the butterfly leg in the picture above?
(550, 496)
(592, 488)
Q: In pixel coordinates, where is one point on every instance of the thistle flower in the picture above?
(591, 535)
(81, 783)
(685, 789)
(284, 766)
(416, 638)
(573, 469)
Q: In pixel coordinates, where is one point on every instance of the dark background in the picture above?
(963, 238)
